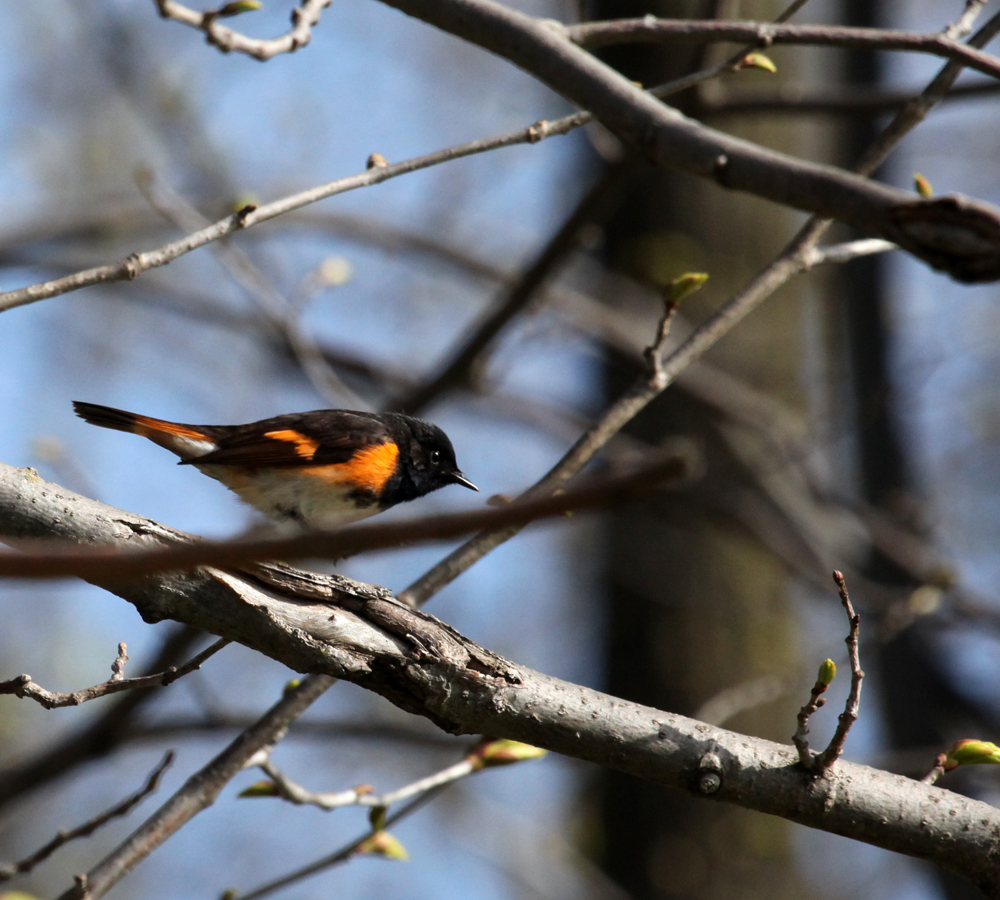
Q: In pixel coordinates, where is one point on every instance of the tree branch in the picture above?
(955, 234)
(361, 634)
(849, 716)
(650, 30)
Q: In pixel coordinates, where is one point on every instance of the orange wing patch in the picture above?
(368, 469)
(305, 446)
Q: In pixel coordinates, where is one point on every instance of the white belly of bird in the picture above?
(289, 495)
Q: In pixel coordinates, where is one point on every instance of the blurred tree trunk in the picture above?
(696, 603)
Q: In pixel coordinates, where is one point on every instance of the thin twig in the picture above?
(98, 739)
(850, 714)
(363, 796)
(198, 792)
(228, 40)
(89, 827)
(24, 687)
(735, 61)
(340, 856)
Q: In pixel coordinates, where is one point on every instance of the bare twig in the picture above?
(850, 714)
(23, 686)
(339, 856)
(364, 796)
(228, 40)
(198, 792)
(763, 34)
(113, 563)
(89, 827)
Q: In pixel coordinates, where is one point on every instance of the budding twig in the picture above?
(850, 714)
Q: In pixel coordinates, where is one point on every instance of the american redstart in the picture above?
(319, 469)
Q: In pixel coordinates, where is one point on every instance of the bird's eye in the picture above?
(435, 457)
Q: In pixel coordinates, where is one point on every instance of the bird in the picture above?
(315, 470)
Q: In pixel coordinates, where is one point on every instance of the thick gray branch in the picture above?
(955, 234)
(330, 625)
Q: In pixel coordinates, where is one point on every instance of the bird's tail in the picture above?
(185, 440)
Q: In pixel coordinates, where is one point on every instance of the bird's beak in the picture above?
(458, 478)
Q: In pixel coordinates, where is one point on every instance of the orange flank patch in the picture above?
(144, 425)
(305, 446)
(369, 469)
